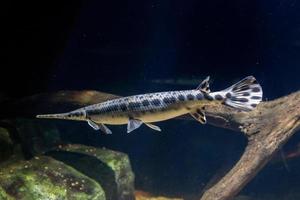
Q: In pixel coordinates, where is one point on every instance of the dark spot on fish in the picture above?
(253, 105)
(150, 96)
(107, 108)
(181, 97)
(255, 97)
(190, 97)
(155, 102)
(173, 99)
(123, 106)
(112, 108)
(166, 100)
(145, 103)
(188, 108)
(169, 100)
(141, 97)
(134, 105)
(245, 94)
(208, 97)
(228, 95)
(244, 100)
(218, 97)
(115, 107)
(199, 96)
(76, 114)
(93, 112)
(256, 89)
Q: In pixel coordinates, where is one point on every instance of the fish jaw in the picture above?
(77, 115)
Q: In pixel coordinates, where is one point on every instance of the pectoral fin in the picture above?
(154, 127)
(199, 115)
(133, 124)
(101, 127)
(93, 125)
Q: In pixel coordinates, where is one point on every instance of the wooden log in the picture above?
(268, 128)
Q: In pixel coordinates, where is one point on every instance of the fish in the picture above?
(148, 108)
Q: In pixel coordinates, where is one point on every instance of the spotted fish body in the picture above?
(153, 107)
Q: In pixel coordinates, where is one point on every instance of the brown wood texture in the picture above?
(267, 128)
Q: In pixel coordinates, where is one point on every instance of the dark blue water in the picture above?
(122, 47)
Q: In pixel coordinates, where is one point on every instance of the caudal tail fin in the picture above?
(244, 95)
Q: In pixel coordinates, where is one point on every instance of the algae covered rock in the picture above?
(45, 178)
(111, 169)
(6, 145)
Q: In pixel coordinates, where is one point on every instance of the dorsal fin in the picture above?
(204, 86)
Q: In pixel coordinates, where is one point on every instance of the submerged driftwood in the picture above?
(267, 128)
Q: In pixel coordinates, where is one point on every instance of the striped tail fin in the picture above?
(244, 95)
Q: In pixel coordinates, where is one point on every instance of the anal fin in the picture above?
(199, 115)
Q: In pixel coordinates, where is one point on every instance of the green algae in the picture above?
(114, 174)
(45, 178)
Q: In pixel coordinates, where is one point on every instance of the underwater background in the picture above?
(136, 47)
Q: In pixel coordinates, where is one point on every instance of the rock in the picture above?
(111, 169)
(6, 145)
(45, 178)
(37, 136)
